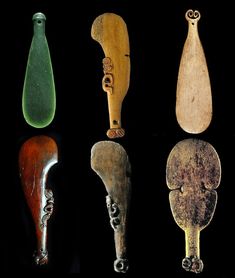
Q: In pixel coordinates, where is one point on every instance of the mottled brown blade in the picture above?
(37, 155)
(110, 31)
(193, 208)
(193, 163)
(110, 161)
(193, 96)
(193, 172)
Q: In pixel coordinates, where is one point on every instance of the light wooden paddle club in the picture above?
(111, 32)
(193, 172)
(193, 96)
(110, 161)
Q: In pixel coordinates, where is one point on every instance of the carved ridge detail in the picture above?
(114, 212)
(41, 258)
(107, 65)
(48, 209)
(121, 265)
(115, 133)
(107, 81)
(192, 15)
(192, 264)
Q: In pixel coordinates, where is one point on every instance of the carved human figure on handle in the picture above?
(193, 172)
(111, 32)
(110, 161)
(37, 155)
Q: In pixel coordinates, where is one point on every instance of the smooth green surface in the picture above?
(39, 99)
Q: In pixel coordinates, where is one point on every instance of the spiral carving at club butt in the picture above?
(110, 162)
(193, 172)
(110, 31)
(37, 155)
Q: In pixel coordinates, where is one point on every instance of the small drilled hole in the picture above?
(192, 23)
(39, 22)
(115, 122)
(107, 80)
(119, 265)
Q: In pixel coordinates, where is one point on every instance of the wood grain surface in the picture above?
(37, 155)
(111, 32)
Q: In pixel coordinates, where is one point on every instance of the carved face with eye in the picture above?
(107, 83)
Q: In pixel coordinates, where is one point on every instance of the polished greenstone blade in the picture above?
(39, 99)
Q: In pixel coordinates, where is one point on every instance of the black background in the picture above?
(79, 236)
